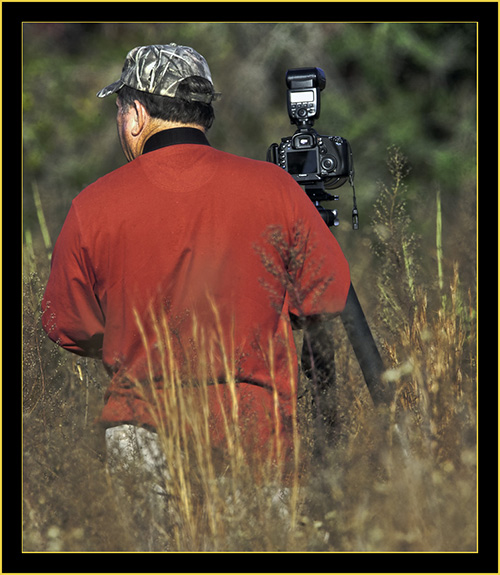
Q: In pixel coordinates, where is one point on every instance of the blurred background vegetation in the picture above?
(409, 85)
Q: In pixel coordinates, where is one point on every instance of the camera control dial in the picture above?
(328, 163)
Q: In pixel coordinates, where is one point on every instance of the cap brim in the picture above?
(111, 89)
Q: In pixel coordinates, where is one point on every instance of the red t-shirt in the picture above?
(184, 266)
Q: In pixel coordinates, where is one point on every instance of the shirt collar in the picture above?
(175, 136)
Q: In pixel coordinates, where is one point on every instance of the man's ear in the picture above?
(140, 117)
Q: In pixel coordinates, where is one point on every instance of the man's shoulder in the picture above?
(105, 186)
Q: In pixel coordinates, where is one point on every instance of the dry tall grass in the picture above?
(400, 480)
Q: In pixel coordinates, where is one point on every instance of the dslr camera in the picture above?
(316, 162)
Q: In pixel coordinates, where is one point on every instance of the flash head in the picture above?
(299, 78)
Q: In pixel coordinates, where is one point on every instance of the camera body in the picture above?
(308, 157)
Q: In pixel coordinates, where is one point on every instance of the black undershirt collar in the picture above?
(175, 136)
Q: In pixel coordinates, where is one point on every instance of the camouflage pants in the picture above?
(140, 477)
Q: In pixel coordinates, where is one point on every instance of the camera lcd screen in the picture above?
(302, 161)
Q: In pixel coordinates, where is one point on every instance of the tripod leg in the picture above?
(318, 364)
(365, 349)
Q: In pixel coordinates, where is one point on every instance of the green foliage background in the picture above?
(411, 85)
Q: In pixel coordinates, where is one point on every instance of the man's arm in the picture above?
(72, 315)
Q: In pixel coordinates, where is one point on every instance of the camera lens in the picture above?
(328, 163)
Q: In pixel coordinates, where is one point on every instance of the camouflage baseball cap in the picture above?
(158, 69)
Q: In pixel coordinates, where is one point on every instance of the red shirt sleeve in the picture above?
(71, 312)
